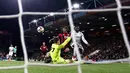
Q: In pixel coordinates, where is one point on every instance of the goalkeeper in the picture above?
(56, 51)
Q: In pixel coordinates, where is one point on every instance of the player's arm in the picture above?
(9, 49)
(40, 48)
(13, 49)
(46, 48)
(83, 39)
(65, 43)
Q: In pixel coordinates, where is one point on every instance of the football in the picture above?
(40, 29)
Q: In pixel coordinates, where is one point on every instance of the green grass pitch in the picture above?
(86, 68)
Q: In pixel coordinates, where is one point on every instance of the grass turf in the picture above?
(86, 68)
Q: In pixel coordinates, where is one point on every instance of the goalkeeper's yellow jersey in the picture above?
(56, 49)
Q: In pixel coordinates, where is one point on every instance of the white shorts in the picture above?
(10, 53)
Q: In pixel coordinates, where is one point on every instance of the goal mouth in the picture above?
(70, 19)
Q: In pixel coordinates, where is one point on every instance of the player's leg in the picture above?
(74, 55)
(74, 52)
(41, 56)
(10, 56)
(44, 55)
(81, 53)
(63, 61)
(81, 50)
(14, 56)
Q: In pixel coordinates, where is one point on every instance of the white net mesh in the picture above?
(69, 13)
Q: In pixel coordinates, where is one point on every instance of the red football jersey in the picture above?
(63, 37)
(43, 48)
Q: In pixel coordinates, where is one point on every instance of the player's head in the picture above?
(11, 45)
(65, 29)
(56, 40)
(43, 43)
(15, 46)
(76, 28)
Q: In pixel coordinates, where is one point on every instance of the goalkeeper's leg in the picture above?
(63, 61)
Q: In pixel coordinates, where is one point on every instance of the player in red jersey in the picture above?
(43, 49)
(63, 36)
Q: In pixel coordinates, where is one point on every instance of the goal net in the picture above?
(70, 19)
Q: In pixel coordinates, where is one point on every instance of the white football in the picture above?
(40, 29)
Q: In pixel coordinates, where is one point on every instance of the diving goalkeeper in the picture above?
(56, 51)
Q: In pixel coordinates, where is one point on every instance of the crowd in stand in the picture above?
(111, 48)
(2, 56)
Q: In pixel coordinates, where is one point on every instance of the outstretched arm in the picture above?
(83, 39)
(65, 43)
